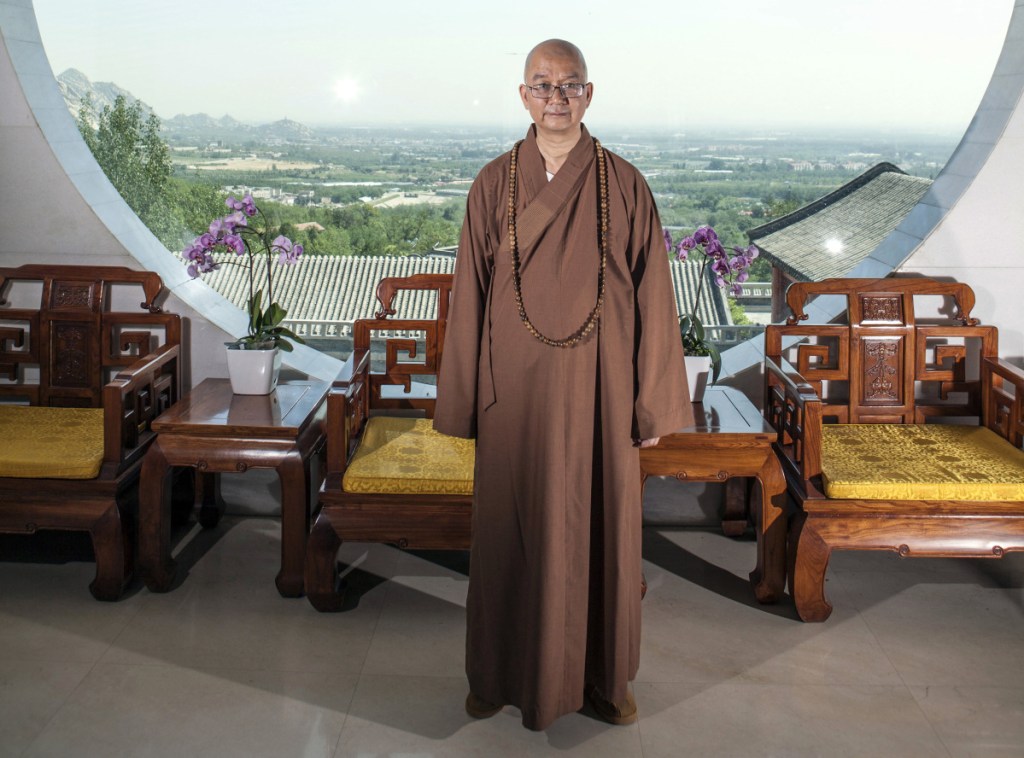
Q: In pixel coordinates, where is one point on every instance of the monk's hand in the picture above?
(648, 442)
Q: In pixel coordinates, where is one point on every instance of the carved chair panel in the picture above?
(884, 366)
(64, 352)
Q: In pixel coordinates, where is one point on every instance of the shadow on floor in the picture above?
(666, 554)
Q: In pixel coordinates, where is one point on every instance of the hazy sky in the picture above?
(900, 64)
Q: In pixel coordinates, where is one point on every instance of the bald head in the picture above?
(559, 48)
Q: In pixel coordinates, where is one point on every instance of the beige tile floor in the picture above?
(920, 658)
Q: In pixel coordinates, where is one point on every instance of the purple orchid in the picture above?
(218, 228)
(246, 205)
(288, 253)
(729, 269)
(704, 235)
(234, 242)
(234, 233)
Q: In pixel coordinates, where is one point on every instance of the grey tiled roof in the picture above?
(857, 216)
(333, 288)
(339, 289)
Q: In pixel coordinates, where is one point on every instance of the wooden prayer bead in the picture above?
(591, 321)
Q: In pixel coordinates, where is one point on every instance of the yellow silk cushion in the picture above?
(406, 456)
(50, 443)
(919, 462)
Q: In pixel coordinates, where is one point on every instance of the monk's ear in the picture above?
(589, 92)
(523, 95)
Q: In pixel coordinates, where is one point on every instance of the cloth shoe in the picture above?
(614, 713)
(480, 709)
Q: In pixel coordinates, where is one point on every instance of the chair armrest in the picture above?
(349, 369)
(793, 408)
(347, 409)
(132, 399)
(1003, 412)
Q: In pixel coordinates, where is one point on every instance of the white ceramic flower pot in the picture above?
(698, 375)
(254, 372)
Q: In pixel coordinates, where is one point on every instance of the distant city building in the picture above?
(829, 237)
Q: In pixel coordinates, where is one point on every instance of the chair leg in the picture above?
(321, 567)
(809, 556)
(113, 564)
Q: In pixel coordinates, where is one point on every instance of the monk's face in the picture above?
(558, 115)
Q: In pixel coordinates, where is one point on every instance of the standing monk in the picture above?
(562, 357)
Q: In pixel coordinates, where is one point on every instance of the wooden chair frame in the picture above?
(87, 355)
(884, 366)
(408, 521)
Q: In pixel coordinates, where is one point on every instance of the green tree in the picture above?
(130, 152)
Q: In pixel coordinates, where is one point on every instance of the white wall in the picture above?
(980, 239)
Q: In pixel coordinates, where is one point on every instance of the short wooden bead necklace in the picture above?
(517, 285)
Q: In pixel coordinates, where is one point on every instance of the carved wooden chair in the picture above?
(390, 477)
(858, 408)
(80, 383)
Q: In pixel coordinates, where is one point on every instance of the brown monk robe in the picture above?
(555, 564)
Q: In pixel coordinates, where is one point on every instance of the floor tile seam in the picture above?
(407, 676)
(42, 658)
(906, 685)
(63, 704)
(124, 628)
(866, 621)
(219, 669)
(344, 721)
(762, 682)
(736, 682)
(931, 724)
(373, 633)
(969, 686)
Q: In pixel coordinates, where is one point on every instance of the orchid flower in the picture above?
(234, 233)
(728, 269)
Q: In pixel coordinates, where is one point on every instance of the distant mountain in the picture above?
(204, 127)
(286, 129)
(75, 85)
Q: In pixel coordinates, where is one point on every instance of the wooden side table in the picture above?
(215, 431)
(731, 439)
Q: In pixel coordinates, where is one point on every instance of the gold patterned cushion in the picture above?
(406, 456)
(919, 462)
(51, 443)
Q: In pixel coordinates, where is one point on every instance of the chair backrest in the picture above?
(412, 347)
(886, 364)
(73, 340)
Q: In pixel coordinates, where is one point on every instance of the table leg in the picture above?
(735, 516)
(155, 563)
(769, 576)
(208, 499)
(294, 473)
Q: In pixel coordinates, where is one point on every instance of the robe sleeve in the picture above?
(455, 412)
(662, 404)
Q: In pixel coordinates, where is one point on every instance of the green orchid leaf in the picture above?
(286, 332)
(274, 316)
(716, 361)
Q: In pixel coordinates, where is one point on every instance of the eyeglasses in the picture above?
(545, 91)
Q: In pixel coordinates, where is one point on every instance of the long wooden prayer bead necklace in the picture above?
(602, 233)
